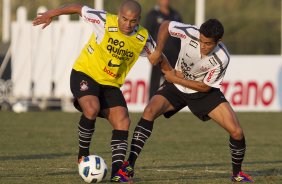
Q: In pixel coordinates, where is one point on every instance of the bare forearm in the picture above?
(46, 18)
(163, 35)
(157, 56)
(69, 9)
(165, 66)
(195, 85)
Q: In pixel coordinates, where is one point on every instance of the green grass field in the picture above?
(40, 147)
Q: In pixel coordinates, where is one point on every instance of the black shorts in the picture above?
(200, 103)
(82, 85)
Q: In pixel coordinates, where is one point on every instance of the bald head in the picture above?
(131, 6)
(129, 16)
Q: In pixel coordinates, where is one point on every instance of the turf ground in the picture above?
(40, 147)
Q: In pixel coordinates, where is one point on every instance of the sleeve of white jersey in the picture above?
(182, 31)
(215, 75)
(95, 17)
(149, 47)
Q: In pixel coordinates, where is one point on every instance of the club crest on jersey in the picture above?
(140, 37)
(113, 29)
(193, 43)
(84, 85)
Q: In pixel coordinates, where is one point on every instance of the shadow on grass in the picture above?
(41, 156)
(193, 165)
(34, 157)
(265, 162)
(182, 179)
(183, 166)
(267, 172)
(60, 173)
(259, 171)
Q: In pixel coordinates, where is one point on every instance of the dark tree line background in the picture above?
(251, 27)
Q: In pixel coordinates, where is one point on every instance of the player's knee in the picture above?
(126, 123)
(149, 112)
(237, 133)
(90, 112)
(122, 124)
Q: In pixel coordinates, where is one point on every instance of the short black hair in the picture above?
(212, 28)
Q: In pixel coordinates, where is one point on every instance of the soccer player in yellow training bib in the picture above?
(100, 70)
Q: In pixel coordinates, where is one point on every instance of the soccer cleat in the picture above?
(241, 177)
(120, 177)
(126, 167)
(80, 159)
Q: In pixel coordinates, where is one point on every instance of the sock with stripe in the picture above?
(141, 133)
(86, 129)
(119, 147)
(237, 149)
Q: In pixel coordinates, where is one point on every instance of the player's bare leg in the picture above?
(156, 107)
(119, 119)
(224, 115)
(90, 107)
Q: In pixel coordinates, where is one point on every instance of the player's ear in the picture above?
(219, 40)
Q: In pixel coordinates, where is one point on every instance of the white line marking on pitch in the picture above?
(62, 168)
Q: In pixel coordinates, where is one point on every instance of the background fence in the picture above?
(42, 61)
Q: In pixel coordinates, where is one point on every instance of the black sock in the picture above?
(237, 148)
(141, 133)
(86, 129)
(119, 147)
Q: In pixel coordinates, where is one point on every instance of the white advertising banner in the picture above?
(254, 83)
(251, 83)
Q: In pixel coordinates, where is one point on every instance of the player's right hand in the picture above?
(155, 57)
(179, 74)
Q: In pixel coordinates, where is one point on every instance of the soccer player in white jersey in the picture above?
(203, 60)
(100, 70)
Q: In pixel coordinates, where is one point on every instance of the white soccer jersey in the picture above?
(209, 69)
(98, 20)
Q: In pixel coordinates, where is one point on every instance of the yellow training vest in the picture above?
(109, 62)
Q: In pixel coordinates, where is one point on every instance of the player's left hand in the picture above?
(42, 18)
